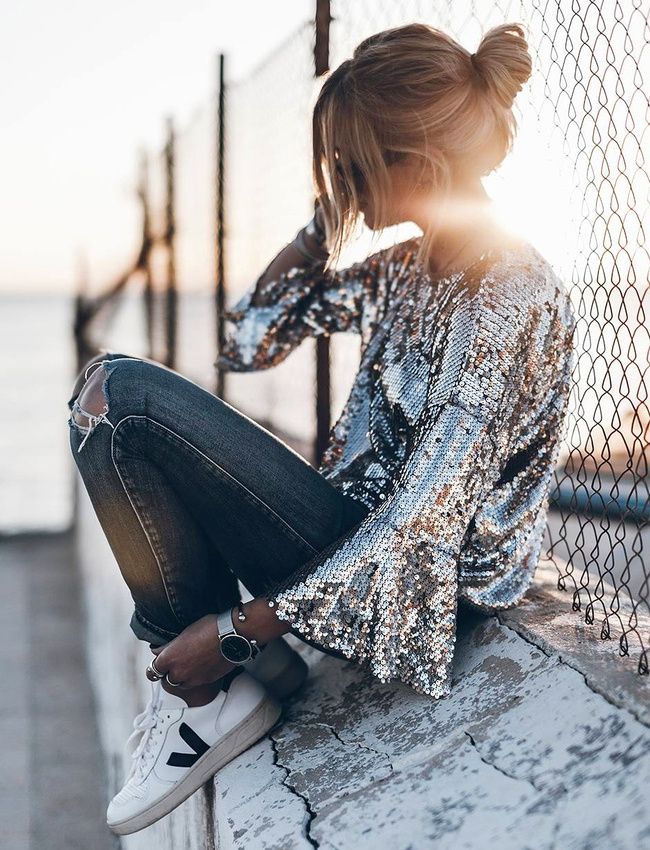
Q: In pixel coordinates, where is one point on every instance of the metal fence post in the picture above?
(323, 372)
(219, 276)
(171, 294)
(147, 293)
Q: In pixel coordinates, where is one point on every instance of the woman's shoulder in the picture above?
(397, 253)
(522, 284)
(512, 268)
(517, 271)
(506, 258)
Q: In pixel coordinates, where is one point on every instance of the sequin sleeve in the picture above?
(385, 593)
(273, 318)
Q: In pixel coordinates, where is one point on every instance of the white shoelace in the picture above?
(144, 725)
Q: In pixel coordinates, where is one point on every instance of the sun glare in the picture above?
(534, 196)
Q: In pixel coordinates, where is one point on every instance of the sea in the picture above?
(36, 365)
(38, 369)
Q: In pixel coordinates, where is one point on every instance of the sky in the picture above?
(85, 85)
(88, 85)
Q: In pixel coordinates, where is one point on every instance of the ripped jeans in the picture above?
(193, 495)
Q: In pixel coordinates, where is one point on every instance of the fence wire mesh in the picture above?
(268, 196)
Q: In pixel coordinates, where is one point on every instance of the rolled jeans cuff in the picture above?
(144, 630)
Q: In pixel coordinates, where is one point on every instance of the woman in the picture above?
(434, 485)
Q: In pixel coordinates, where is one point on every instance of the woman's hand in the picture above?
(194, 658)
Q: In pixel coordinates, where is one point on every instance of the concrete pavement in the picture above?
(52, 773)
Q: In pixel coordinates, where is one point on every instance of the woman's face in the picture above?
(404, 192)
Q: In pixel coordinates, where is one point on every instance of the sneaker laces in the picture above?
(144, 724)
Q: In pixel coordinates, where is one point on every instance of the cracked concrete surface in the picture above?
(543, 743)
(523, 752)
(311, 814)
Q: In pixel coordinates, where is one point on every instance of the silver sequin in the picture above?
(450, 437)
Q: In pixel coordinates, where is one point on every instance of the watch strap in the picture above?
(226, 626)
(225, 623)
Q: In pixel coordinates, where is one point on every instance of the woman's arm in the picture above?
(307, 247)
(293, 299)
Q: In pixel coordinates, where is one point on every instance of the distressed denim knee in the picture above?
(105, 356)
(95, 403)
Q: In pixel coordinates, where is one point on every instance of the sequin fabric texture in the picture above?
(450, 436)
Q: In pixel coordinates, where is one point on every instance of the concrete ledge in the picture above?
(547, 620)
(543, 742)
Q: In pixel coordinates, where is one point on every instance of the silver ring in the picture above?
(173, 684)
(153, 673)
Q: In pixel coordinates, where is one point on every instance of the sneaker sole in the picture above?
(265, 717)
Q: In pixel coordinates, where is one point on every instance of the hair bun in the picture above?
(503, 61)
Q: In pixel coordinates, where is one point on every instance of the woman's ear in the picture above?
(416, 170)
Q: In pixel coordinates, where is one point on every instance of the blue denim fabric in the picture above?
(192, 495)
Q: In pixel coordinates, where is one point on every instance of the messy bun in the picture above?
(413, 91)
(503, 62)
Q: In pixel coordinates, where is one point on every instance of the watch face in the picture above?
(235, 648)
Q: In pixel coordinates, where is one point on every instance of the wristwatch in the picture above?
(234, 647)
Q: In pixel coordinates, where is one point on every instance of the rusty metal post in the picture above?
(219, 273)
(171, 294)
(323, 371)
(82, 350)
(147, 293)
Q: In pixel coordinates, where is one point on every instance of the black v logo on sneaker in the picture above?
(194, 741)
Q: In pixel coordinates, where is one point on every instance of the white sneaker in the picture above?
(182, 747)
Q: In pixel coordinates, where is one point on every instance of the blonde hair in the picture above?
(413, 89)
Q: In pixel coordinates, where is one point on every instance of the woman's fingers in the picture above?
(165, 661)
(177, 683)
(178, 668)
(193, 657)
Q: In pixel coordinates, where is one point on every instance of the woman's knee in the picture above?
(87, 371)
(91, 398)
(118, 378)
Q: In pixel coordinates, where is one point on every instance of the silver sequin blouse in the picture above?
(450, 436)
